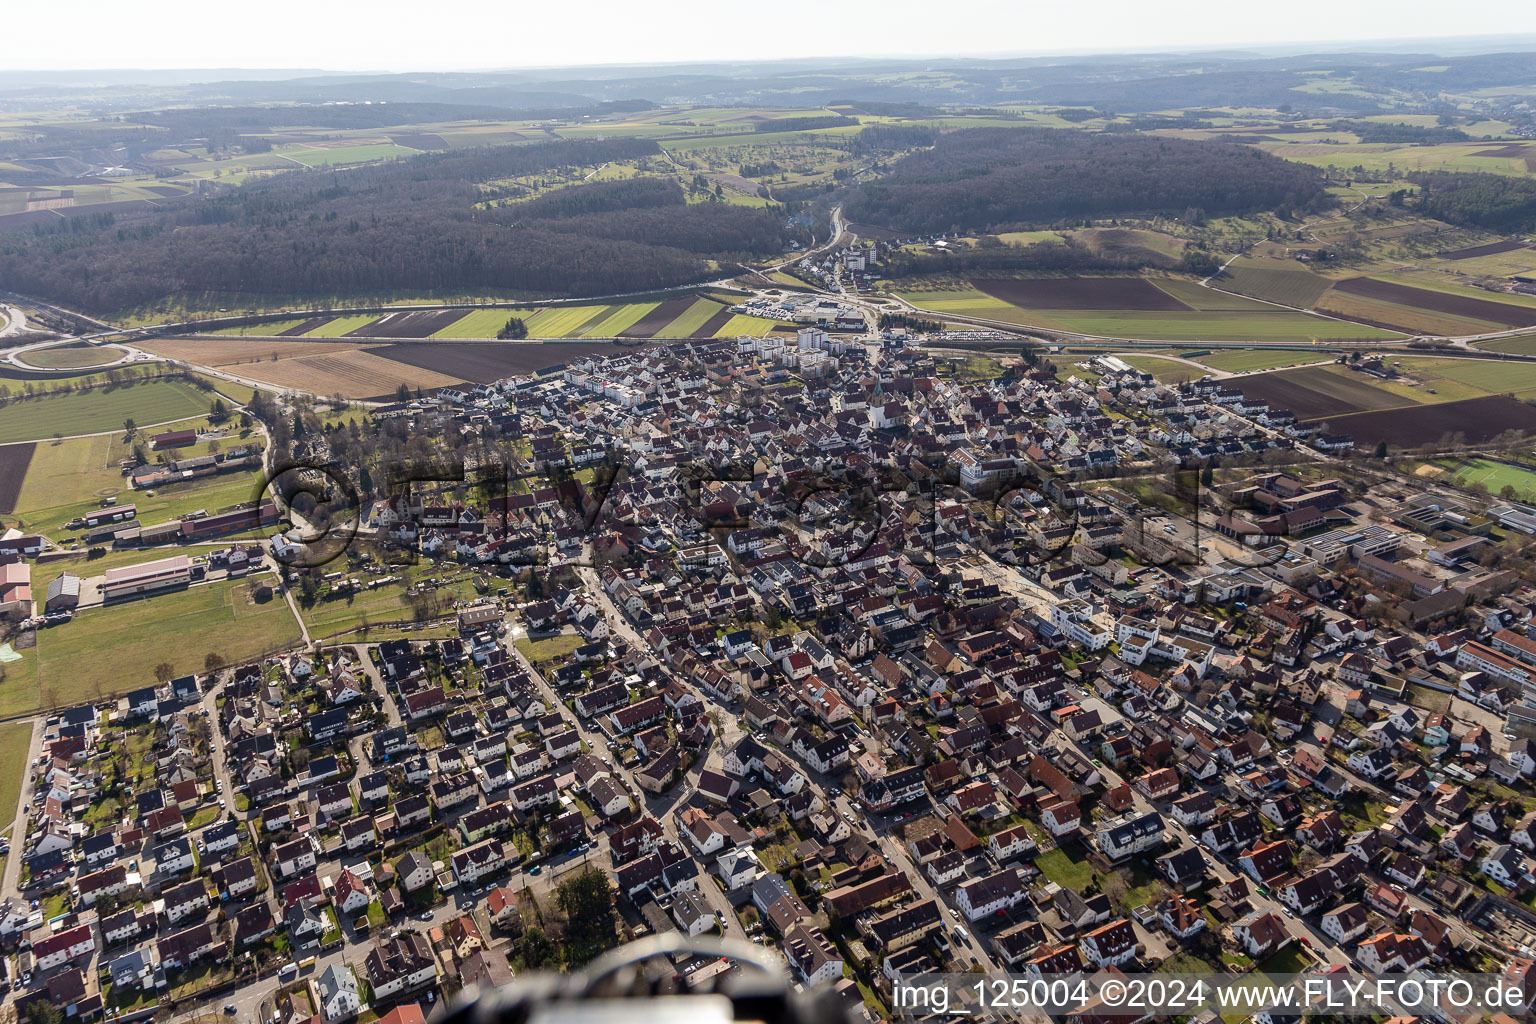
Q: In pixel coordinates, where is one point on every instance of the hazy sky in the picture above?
(395, 35)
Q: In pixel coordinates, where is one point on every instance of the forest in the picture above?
(1069, 257)
(1001, 179)
(1497, 202)
(409, 226)
(1401, 134)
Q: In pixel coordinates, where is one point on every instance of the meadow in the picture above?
(1454, 379)
(15, 745)
(100, 409)
(108, 651)
(69, 357)
(1245, 360)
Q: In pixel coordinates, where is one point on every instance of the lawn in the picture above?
(15, 744)
(100, 409)
(1062, 869)
(70, 357)
(112, 650)
(549, 648)
(1290, 960)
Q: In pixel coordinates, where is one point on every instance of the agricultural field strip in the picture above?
(1439, 301)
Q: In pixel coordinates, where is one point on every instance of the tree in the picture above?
(587, 902)
(41, 1011)
(130, 427)
(1381, 449)
(536, 949)
(213, 662)
(515, 328)
(165, 672)
(403, 392)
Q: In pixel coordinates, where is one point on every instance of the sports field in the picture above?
(1493, 475)
(99, 409)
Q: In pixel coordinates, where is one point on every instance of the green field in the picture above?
(341, 325)
(1455, 379)
(1493, 475)
(692, 319)
(1396, 159)
(562, 321)
(15, 745)
(1280, 325)
(482, 323)
(69, 357)
(1192, 294)
(106, 651)
(552, 648)
(621, 319)
(1243, 360)
(269, 329)
(68, 478)
(968, 302)
(311, 157)
(100, 409)
(1168, 371)
(1525, 345)
(750, 326)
